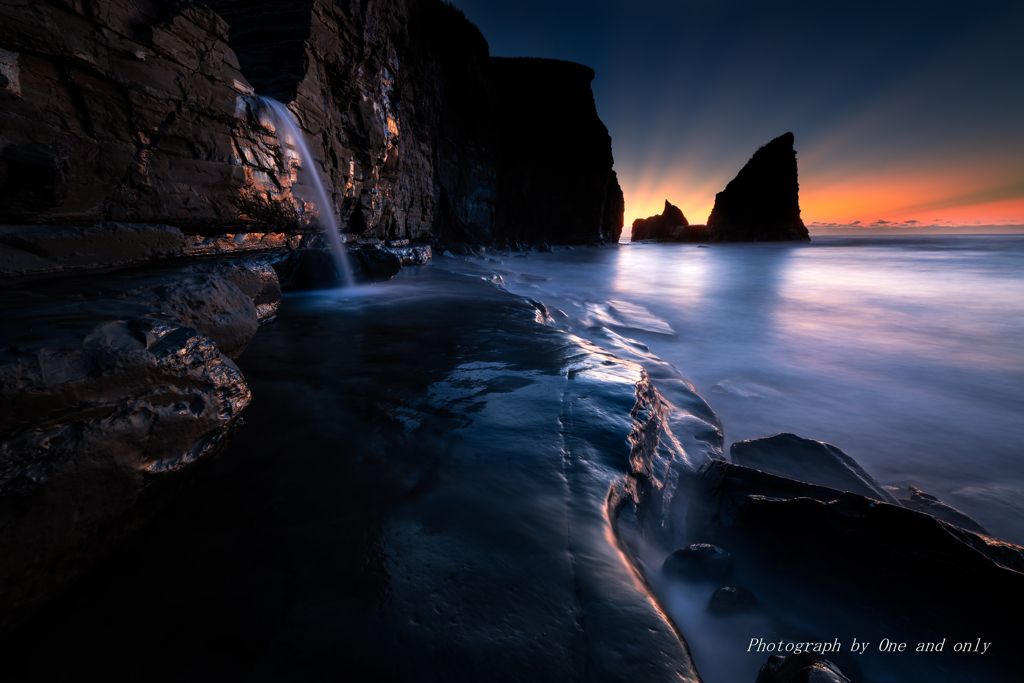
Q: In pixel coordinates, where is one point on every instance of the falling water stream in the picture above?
(284, 121)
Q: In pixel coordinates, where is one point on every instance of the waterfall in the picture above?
(285, 121)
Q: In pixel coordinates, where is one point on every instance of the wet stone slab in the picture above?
(428, 487)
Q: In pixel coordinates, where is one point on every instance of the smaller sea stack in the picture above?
(762, 202)
(671, 224)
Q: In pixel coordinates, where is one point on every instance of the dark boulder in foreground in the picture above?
(805, 667)
(762, 202)
(670, 224)
(698, 561)
(848, 566)
(732, 600)
(815, 462)
(111, 393)
(927, 503)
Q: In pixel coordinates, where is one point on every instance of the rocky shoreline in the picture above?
(150, 222)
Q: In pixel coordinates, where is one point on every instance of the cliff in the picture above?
(762, 202)
(147, 112)
(133, 132)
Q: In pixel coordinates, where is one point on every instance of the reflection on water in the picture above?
(904, 352)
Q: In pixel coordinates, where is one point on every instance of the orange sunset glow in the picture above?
(899, 196)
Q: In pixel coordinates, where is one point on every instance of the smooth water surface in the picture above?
(903, 351)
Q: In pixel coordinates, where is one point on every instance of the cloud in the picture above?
(911, 222)
(881, 222)
(855, 223)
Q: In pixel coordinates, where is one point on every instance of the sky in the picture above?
(905, 114)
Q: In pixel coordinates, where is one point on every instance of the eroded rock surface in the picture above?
(113, 390)
(105, 407)
(815, 462)
(762, 202)
(844, 564)
(437, 498)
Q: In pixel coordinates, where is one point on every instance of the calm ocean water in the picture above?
(903, 351)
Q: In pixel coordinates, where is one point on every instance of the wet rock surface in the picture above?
(115, 389)
(871, 568)
(806, 667)
(436, 496)
(762, 202)
(106, 407)
(815, 462)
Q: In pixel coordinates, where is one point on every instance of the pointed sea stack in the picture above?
(762, 202)
(663, 226)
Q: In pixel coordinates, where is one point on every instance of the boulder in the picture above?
(731, 600)
(699, 561)
(762, 202)
(815, 462)
(106, 405)
(923, 502)
(845, 565)
(254, 277)
(805, 667)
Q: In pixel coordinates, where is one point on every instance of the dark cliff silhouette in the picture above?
(762, 202)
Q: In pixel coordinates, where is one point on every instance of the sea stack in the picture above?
(762, 202)
(670, 224)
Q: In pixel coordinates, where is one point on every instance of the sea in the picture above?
(905, 352)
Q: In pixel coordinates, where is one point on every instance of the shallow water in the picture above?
(902, 351)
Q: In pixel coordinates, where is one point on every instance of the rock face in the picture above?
(815, 462)
(139, 112)
(762, 202)
(573, 195)
(132, 112)
(844, 564)
(670, 224)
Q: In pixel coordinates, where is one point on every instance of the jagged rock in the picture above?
(698, 561)
(762, 202)
(731, 600)
(670, 224)
(924, 502)
(805, 667)
(845, 564)
(208, 303)
(815, 462)
(105, 405)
